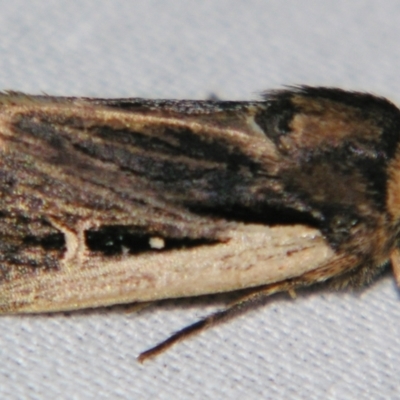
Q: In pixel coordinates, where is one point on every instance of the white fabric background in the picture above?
(321, 346)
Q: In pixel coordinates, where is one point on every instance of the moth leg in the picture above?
(213, 319)
(136, 307)
(395, 261)
(331, 269)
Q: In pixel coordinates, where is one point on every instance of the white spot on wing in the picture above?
(157, 243)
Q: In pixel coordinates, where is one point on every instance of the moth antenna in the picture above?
(331, 269)
(233, 310)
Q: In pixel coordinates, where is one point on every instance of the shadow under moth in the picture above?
(109, 201)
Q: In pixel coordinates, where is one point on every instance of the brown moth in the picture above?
(107, 201)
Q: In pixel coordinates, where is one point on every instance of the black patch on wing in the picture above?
(275, 117)
(115, 240)
(21, 249)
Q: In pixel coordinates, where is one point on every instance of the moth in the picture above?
(108, 201)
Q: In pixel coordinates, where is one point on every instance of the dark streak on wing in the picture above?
(170, 142)
(178, 107)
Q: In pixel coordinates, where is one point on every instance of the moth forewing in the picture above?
(252, 255)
